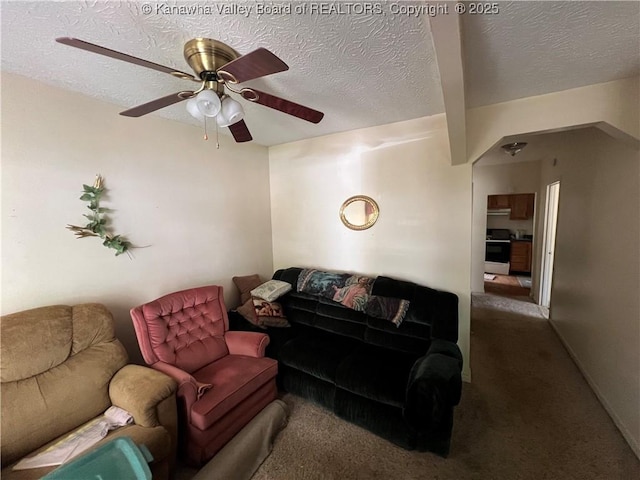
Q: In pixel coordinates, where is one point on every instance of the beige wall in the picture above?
(203, 212)
(494, 180)
(611, 106)
(424, 230)
(594, 301)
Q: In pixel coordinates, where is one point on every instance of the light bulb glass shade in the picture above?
(208, 103)
(221, 120)
(192, 108)
(230, 113)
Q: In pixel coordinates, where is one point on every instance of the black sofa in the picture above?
(400, 383)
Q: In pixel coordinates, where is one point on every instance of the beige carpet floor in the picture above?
(528, 414)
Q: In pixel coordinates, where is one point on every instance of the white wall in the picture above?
(594, 302)
(424, 230)
(204, 212)
(495, 180)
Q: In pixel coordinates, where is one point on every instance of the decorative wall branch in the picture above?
(97, 226)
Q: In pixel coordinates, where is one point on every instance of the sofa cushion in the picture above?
(400, 343)
(436, 308)
(92, 324)
(335, 318)
(43, 335)
(234, 378)
(376, 373)
(42, 407)
(318, 355)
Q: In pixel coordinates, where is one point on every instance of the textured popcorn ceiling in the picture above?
(532, 48)
(360, 70)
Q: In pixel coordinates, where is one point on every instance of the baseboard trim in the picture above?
(616, 420)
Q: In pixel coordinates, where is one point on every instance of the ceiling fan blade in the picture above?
(240, 132)
(286, 106)
(259, 63)
(153, 105)
(90, 47)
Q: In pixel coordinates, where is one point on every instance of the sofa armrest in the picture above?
(139, 390)
(252, 344)
(434, 386)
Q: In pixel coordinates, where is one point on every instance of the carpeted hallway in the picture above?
(528, 414)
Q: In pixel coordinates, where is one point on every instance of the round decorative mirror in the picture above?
(359, 212)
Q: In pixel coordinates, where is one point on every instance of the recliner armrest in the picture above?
(189, 389)
(434, 386)
(139, 390)
(252, 344)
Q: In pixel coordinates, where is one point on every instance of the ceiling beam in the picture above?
(447, 42)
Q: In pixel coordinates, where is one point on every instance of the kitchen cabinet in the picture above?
(498, 201)
(520, 256)
(522, 206)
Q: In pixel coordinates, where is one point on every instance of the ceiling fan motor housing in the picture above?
(205, 56)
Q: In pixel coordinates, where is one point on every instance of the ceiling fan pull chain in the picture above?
(217, 139)
(206, 137)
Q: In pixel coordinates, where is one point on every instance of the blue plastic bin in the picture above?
(119, 459)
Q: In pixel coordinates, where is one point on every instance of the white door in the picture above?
(549, 242)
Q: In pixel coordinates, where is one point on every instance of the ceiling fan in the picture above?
(218, 68)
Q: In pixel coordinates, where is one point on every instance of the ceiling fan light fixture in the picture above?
(208, 103)
(513, 148)
(230, 113)
(194, 111)
(221, 120)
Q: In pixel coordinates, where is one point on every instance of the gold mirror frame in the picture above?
(363, 198)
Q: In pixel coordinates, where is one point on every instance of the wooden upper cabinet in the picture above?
(522, 206)
(498, 201)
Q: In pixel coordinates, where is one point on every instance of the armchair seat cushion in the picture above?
(318, 355)
(234, 378)
(377, 374)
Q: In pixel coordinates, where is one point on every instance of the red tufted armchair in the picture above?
(223, 378)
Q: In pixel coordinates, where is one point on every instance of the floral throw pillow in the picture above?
(269, 314)
(263, 314)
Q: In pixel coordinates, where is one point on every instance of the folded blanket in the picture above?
(352, 291)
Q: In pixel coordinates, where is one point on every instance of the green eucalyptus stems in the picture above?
(98, 221)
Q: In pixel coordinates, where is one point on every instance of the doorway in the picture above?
(549, 242)
(509, 244)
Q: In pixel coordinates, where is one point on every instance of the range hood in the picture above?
(499, 211)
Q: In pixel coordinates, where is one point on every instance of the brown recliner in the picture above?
(60, 368)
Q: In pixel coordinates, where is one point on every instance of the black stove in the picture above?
(498, 245)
